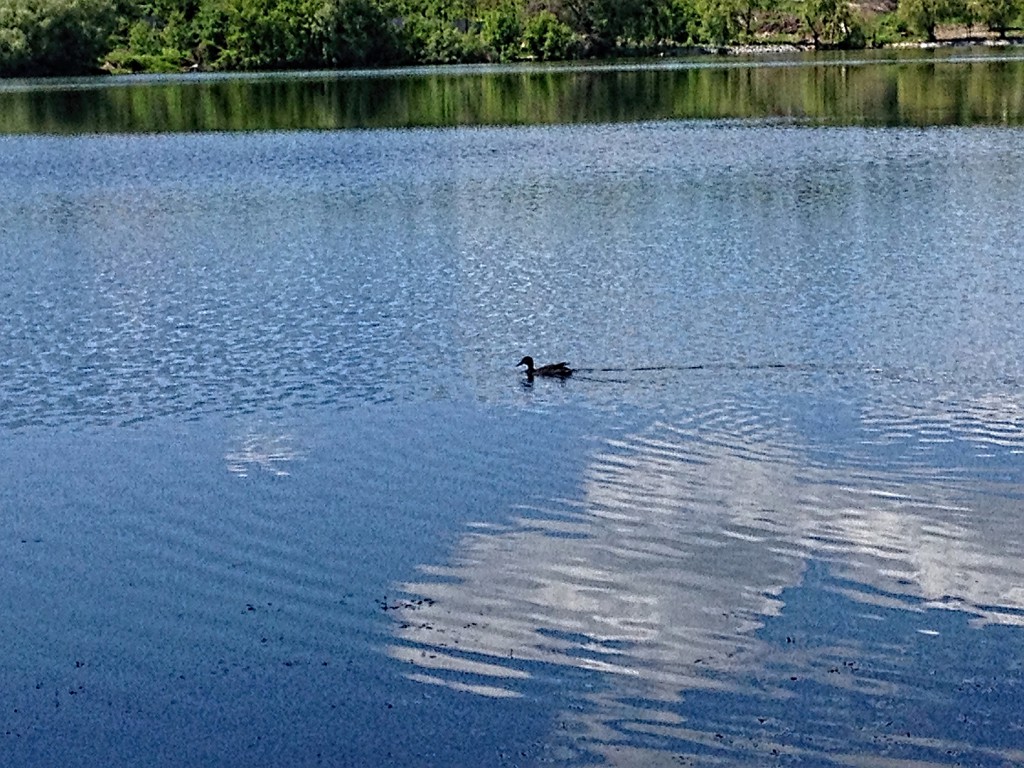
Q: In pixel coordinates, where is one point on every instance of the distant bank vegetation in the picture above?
(50, 37)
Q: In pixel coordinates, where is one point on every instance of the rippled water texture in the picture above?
(274, 493)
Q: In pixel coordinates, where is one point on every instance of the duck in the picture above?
(557, 370)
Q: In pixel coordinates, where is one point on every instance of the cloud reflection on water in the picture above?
(682, 547)
(261, 449)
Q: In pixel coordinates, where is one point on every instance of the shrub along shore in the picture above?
(61, 37)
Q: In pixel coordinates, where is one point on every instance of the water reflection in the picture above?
(264, 450)
(691, 541)
(940, 87)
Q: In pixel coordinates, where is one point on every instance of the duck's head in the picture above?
(527, 361)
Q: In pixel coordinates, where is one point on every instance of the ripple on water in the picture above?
(154, 275)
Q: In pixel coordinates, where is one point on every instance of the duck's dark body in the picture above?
(555, 370)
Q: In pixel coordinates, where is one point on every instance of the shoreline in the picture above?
(696, 51)
(755, 49)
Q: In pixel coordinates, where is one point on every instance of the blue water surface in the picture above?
(275, 493)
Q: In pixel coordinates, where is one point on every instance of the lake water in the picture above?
(274, 493)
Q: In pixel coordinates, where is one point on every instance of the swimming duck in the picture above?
(558, 370)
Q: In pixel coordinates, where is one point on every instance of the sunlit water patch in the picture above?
(179, 275)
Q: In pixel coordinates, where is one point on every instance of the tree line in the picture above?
(49, 37)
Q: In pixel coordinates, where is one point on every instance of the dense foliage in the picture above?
(51, 37)
(63, 36)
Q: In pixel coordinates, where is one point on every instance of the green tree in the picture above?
(437, 40)
(611, 23)
(832, 23)
(997, 15)
(548, 38)
(355, 33)
(634, 21)
(924, 15)
(502, 31)
(746, 12)
(54, 37)
(718, 21)
(266, 34)
(679, 21)
(160, 35)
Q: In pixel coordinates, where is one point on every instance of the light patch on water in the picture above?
(271, 453)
